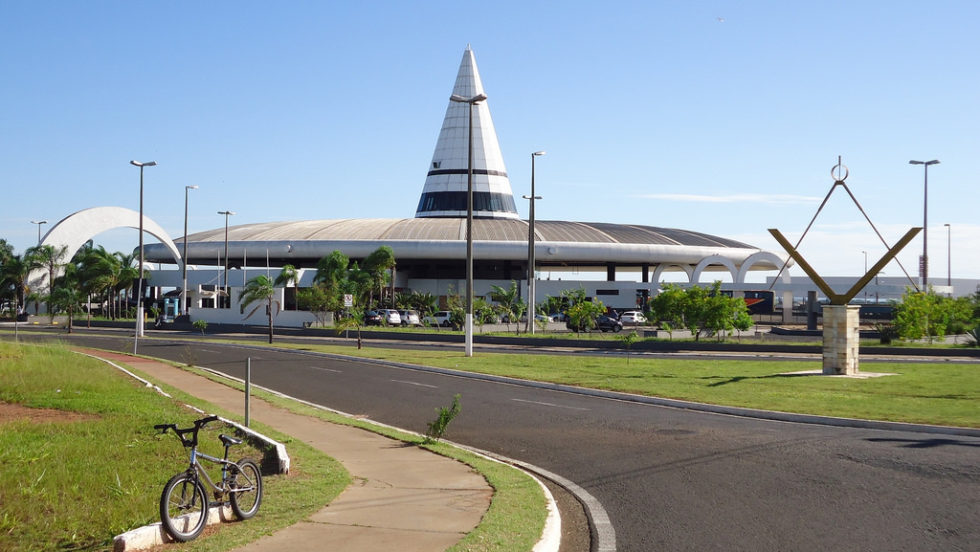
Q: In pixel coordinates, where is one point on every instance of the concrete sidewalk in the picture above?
(402, 498)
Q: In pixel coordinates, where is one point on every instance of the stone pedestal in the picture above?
(841, 339)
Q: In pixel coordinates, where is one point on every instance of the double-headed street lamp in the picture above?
(925, 220)
(530, 247)
(139, 295)
(226, 214)
(183, 263)
(39, 223)
(468, 323)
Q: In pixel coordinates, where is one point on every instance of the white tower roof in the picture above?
(444, 194)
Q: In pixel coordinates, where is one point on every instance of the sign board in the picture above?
(348, 300)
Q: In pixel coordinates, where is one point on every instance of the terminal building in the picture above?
(620, 264)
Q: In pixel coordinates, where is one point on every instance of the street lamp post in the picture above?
(183, 260)
(949, 259)
(865, 271)
(530, 247)
(226, 214)
(139, 268)
(468, 323)
(39, 223)
(925, 219)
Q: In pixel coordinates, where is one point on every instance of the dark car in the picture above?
(372, 318)
(602, 323)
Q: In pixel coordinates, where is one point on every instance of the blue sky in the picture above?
(719, 117)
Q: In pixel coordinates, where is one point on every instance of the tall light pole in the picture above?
(865, 271)
(139, 268)
(925, 220)
(39, 223)
(468, 323)
(949, 259)
(226, 214)
(530, 247)
(183, 260)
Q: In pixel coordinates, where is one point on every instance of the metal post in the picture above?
(183, 260)
(139, 268)
(468, 321)
(530, 248)
(248, 388)
(949, 260)
(925, 219)
(39, 223)
(226, 214)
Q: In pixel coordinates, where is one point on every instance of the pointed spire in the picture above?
(444, 194)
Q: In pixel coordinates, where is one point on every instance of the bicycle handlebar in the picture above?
(198, 424)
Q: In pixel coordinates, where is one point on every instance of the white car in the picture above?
(633, 317)
(439, 318)
(390, 316)
(409, 318)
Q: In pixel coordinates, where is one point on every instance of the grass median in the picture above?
(941, 393)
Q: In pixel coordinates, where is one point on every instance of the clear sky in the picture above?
(719, 117)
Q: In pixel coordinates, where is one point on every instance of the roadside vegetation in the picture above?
(82, 462)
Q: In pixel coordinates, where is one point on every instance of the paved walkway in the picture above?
(401, 498)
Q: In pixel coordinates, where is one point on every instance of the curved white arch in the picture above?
(661, 268)
(761, 257)
(714, 260)
(77, 228)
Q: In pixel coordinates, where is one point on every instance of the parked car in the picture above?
(633, 317)
(409, 318)
(439, 318)
(390, 317)
(372, 318)
(603, 323)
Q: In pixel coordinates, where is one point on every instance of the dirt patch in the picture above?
(10, 412)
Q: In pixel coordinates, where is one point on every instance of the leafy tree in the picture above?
(260, 289)
(667, 308)
(925, 314)
(582, 315)
(628, 340)
(316, 300)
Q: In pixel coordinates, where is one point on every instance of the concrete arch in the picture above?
(77, 228)
(661, 268)
(762, 257)
(715, 260)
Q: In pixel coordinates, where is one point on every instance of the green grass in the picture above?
(933, 393)
(73, 484)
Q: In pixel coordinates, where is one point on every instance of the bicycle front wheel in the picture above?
(246, 488)
(184, 507)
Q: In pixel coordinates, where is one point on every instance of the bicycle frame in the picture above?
(197, 468)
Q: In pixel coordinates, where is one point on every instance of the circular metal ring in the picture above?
(838, 167)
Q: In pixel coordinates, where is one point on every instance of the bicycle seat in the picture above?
(228, 440)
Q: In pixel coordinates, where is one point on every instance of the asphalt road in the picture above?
(669, 479)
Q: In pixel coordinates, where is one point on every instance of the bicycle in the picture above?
(184, 503)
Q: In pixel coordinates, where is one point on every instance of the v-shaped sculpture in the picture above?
(845, 298)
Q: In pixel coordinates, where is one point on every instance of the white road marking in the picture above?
(416, 383)
(550, 404)
(327, 369)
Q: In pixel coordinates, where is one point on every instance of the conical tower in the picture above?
(444, 194)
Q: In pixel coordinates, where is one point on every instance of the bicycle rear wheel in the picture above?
(246, 488)
(184, 507)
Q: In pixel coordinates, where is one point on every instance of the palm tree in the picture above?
(288, 275)
(13, 275)
(127, 274)
(68, 293)
(99, 273)
(376, 264)
(509, 303)
(262, 289)
(47, 257)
